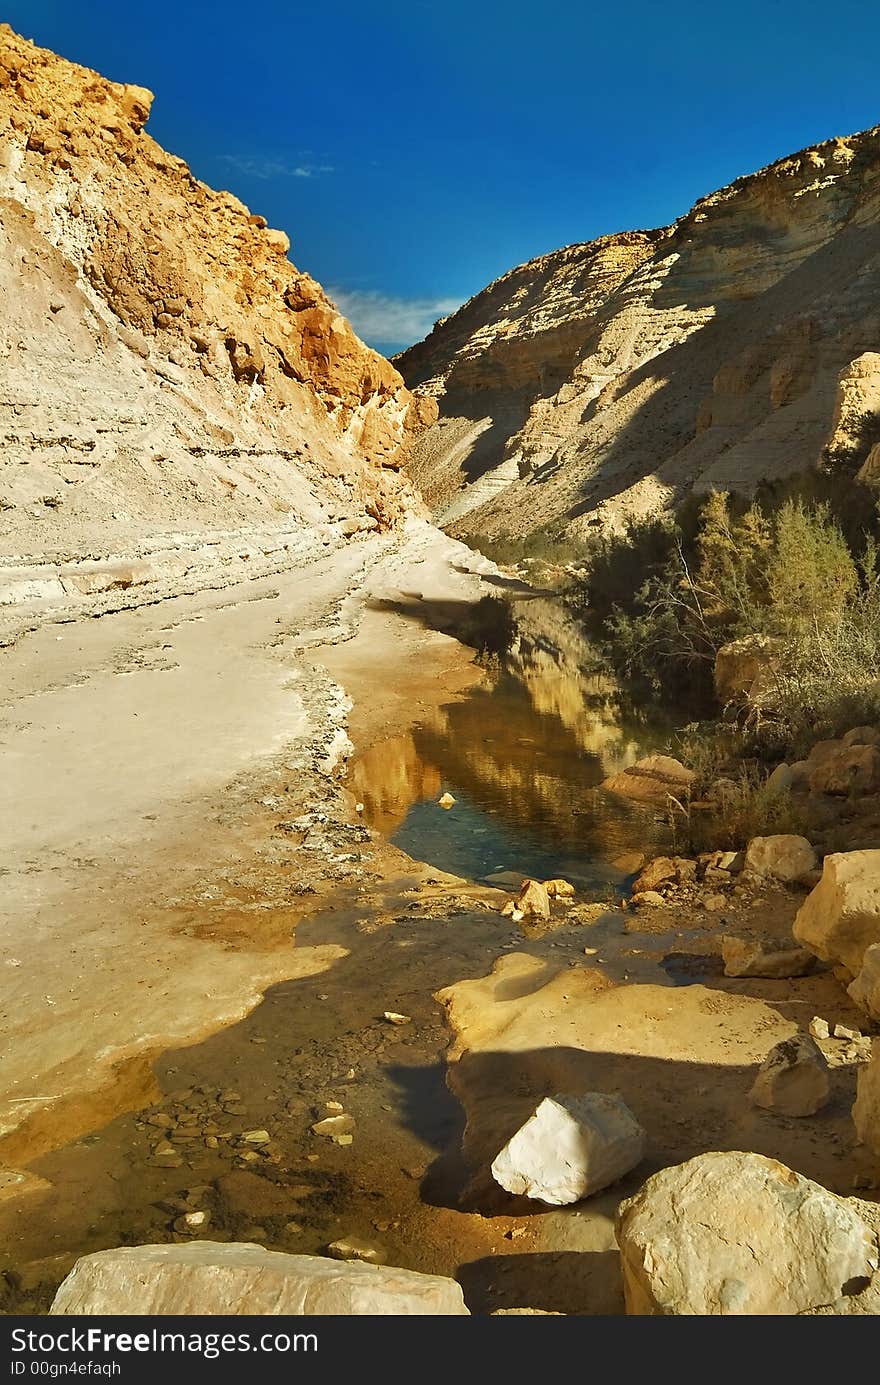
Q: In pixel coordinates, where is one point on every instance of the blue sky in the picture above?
(414, 151)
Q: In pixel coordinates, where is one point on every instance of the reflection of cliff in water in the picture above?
(523, 758)
(389, 778)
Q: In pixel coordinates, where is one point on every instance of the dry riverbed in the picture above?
(150, 1094)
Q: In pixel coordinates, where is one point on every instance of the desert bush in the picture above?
(745, 808)
(544, 545)
(826, 677)
(790, 575)
(730, 800)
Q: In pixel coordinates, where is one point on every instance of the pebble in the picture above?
(334, 1126)
(393, 1017)
(819, 1028)
(167, 1161)
(353, 1248)
(191, 1223)
(256, 1137)
(842, 1031)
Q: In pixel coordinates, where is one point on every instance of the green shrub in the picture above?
(747, 808)
(541, 545)
(790, 575)
(826, 677)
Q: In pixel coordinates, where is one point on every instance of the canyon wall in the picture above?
(177, 400)
(614, 378)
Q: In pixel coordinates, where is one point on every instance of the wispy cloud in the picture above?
(268, 169)
(381, 317)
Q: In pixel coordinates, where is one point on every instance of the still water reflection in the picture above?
(523, 758)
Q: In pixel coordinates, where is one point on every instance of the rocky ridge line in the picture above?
(170, 379)
(613, 379)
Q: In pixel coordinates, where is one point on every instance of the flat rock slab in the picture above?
(764, 958)
(651, 780)
(206, 1277)
(529, 1030)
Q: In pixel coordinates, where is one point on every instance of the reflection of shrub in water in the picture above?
(545, 545)
(489, 626)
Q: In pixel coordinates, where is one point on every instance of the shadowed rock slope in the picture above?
(613, 378)
(177, 401)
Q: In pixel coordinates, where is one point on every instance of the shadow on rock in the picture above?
(576, 1282)
(685, 1108)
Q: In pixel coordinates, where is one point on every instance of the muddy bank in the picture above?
(648, 1014)
(150, 894)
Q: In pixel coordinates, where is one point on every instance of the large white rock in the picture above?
(866, 1111)
(865, 990)
(569, 1148)
(782, 857)
(794, 1078)
(208, 1277)
(739, 1234)
(840, 919)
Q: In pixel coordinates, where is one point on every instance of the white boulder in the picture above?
(793, 1079)
(739, 1234)
(208, 1277)
(569, 1148)
(840, 918)
(783, 857)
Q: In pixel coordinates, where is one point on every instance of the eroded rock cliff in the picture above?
(177, 398)
(613, 378)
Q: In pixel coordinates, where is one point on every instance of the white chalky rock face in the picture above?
(206, 1277)
(571, 1147)
(793, 1080)
(739, 1234)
